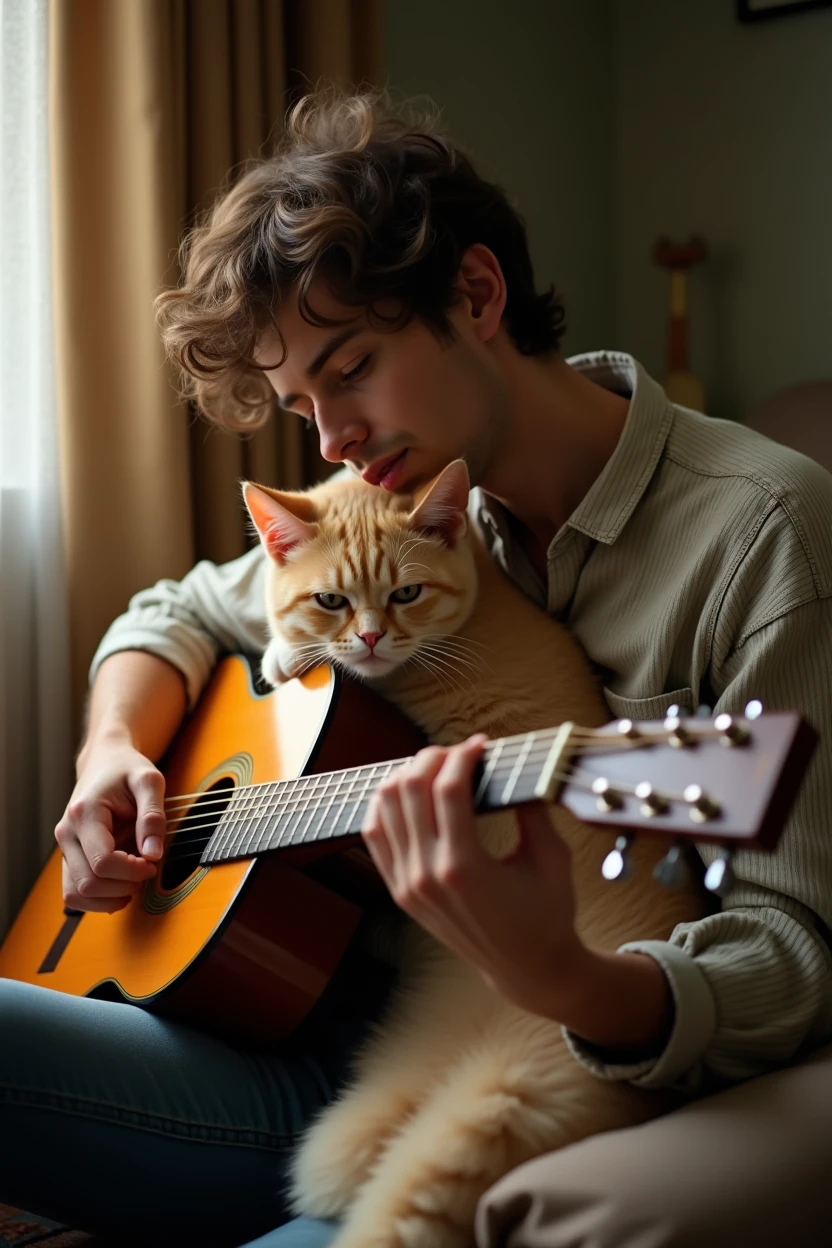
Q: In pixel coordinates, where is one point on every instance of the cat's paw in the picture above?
(279, 663)
(338, 1152)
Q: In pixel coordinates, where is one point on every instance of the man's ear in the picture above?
(442, 511)
(481, 283)
(283, 520)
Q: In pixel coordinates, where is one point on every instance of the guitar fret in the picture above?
(227, 826)
(299, 791)
(345, 804)
(297, 837)
(221, 837)
(286, 810)
(317, 833)
(489, 769)
(518, 768)
(371, 779)
(246, 800)
(265, 821)
(239, 799)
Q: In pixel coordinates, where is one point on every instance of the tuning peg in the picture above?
(703, 711)
(719, 878)
(677, 736)
(732, 732)
(701, 807)
(652, 803)
(677, 712)
(617, 864)
(754, 709)
(607, 798)
(672, 870)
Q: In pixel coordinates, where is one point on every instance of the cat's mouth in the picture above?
(373, 664)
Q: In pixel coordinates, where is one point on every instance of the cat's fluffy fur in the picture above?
(455, 1086)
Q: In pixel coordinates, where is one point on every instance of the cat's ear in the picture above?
(283, 520)
(442, 510)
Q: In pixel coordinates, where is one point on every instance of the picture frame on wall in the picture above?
(755, 10)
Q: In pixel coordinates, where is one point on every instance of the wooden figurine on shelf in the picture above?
(680, 384)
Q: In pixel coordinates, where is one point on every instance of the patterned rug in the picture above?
(18, 1227)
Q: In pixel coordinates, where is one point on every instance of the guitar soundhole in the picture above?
(194, 832)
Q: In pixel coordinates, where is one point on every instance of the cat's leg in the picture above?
(517, 1096)
(409, 1053)
(339, 1149)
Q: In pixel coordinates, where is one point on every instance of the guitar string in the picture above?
(333, 782)
(561, 777)
(503, 745)
(197, 853)
(538, 753)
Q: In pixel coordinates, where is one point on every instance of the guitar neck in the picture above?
(333, 805)
(673, 777)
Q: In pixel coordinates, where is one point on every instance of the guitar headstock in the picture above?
(730, 780)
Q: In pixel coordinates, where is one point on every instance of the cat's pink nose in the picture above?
(370, 638)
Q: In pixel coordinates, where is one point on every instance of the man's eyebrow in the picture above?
(327, 350)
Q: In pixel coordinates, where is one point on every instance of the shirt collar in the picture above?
(617, 490)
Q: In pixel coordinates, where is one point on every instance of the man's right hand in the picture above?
(118, 800)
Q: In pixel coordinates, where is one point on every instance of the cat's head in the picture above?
(361, 577)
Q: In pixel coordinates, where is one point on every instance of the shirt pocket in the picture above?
(648, 708)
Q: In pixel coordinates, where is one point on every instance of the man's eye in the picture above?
(408, 593)
(357, 371)
(332, 602)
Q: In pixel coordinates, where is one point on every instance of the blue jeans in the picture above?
(119, 1122)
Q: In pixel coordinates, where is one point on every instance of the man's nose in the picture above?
(339, 441)
(371, 638)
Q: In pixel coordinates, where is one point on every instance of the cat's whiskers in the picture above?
(408, 569)
(463, 641)
(436, 649)
(407, 542)
(423, 662)
(460, 644)
(442, 664)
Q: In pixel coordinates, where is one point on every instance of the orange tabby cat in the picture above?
(455, 1086)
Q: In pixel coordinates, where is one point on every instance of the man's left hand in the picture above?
(512, 918)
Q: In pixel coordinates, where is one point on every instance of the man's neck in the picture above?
(563, 430)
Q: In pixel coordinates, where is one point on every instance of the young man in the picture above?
(372, 281)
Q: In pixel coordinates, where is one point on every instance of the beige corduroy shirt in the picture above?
(697, 569)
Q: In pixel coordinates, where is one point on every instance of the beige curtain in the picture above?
(152, 102)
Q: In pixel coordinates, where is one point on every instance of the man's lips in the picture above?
(384, 472)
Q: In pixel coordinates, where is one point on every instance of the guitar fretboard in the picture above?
(323, 807)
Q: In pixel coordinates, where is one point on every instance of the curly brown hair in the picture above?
(378, 203)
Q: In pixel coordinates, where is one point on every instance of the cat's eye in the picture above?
(332, 602)
(408, 593)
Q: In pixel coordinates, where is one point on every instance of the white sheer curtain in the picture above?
(35, 731)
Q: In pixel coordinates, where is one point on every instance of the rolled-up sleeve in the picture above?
(752, 984)
(216, 608)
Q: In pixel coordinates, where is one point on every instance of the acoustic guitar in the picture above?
(265, 878)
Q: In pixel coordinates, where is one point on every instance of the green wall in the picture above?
(614, 121)
(527, 88)
(725, 129)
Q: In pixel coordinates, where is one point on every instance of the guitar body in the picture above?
(243, 949)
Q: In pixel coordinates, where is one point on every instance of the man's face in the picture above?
(396, 406)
